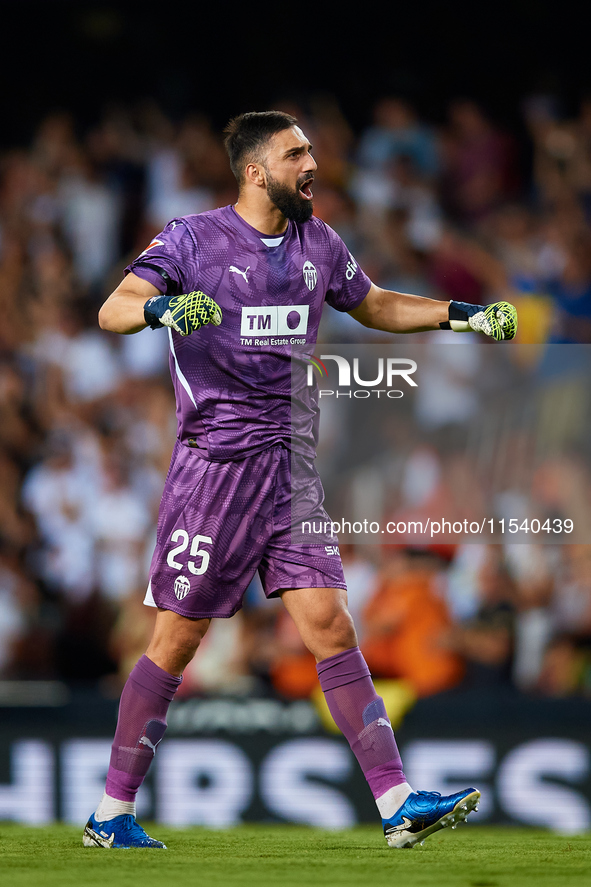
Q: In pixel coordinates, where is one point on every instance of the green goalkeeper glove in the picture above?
(499, 320)
(185, 314)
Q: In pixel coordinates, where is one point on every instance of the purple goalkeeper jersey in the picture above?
(233, 383)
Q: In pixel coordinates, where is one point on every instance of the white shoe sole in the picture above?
(90, 838)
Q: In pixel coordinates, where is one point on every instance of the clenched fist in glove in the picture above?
(185, 314)
(498, 320)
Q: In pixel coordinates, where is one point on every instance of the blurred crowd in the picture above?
(442, 617)
(462, 208)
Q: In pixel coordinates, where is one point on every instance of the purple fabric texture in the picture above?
(361, 716)
(241, 514)
(145, 699)
(233, 382)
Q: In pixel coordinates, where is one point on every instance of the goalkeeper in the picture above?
(234, 286)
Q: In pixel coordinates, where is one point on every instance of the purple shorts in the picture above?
(220, 522)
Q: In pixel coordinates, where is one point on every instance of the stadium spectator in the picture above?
(485, 641)
(406, 623)
(530, 567)
(571, 604)
(60, 495)
(20, 603)
(121, 521)
(90, 213)
(292, 668)
(565, 669)
(181, 173)
(397, 132)
(571, 294)
(566, 664)
(479, 169)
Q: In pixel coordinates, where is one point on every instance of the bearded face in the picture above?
(295, 203)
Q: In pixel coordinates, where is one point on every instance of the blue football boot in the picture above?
(426, 812)
(121, 832)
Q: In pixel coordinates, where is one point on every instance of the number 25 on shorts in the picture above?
(182, 538)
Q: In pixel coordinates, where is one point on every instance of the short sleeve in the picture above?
(162, 262)
(349, 284)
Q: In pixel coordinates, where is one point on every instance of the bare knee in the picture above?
(175, 640)
(323, 620)
(336, 634)
(336, 624)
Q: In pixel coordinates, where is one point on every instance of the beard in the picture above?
(289, 201)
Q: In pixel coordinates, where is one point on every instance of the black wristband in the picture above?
(153, 310)
(458, 312)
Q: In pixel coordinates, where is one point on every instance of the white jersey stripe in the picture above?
(179, 373)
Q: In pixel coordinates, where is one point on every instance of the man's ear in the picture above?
(255, 174)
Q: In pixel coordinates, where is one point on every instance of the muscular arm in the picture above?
(398, 312)
(123, 312)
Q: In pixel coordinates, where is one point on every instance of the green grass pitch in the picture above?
(290, 856)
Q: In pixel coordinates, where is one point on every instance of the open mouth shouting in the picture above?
(305, 187)
(295, 204)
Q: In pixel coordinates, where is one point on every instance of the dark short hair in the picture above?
(247, 134)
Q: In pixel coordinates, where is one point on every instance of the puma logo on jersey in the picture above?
(235, 270)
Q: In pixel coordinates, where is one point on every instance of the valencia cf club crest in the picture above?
(182, 587)
(310, 275)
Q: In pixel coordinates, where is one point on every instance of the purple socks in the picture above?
(148, 692)
(361, 716)
(345, 679)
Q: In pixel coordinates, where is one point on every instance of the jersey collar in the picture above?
(253, 234)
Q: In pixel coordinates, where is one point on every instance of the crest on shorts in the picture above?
(310, 275)
(182, 587)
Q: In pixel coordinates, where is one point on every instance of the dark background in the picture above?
(223, 59)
